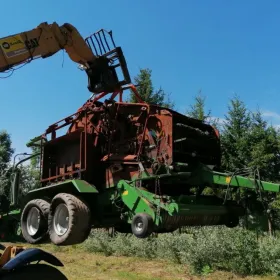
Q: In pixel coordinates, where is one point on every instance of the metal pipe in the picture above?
(20, 154)
(15, 183)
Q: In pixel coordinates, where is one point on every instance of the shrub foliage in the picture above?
(207, 248)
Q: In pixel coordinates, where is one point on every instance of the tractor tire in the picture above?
(69, 220)
(232, 222)
(35, 272)
(34, 221)
(142, 225)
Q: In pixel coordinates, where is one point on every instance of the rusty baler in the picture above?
(123, 164)
(131, 166)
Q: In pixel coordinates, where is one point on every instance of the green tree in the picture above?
(6, 152)
(235, 138)
(146, 90)
(251, 147)
(236, 150)
(197, 110)
(30, 174)
(265, 160)
(29, 179)
(265, 148)
(35, 161)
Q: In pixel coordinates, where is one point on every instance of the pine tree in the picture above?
(235, 137)
(197, 110)
(235, 142)
(264, 141)
(146, 90)
(265, 151)
(248, 142)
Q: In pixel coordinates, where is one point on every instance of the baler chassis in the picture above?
(131, 166)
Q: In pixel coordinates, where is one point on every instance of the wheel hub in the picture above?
(139, 225)
(61, 220)
(33, 221)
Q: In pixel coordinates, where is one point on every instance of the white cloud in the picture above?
(277, 126)
(270, 114)
(273, 118)
(217, 119)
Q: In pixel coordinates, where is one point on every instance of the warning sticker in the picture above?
(228, 180)
(13, 46)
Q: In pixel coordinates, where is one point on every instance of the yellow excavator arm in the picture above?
(47, 39)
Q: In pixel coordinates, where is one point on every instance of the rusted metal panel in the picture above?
(112, 140)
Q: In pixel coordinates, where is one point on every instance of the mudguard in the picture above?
(30, 255)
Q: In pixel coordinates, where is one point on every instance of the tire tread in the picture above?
(43, 206)
(79, 227)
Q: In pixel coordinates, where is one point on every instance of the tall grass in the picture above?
(211, 248)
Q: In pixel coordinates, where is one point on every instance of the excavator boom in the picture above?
(47, 39)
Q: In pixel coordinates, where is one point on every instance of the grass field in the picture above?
(82, 265)
(202, 253)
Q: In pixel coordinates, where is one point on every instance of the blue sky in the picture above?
(221, 47)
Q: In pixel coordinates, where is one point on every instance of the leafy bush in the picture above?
(270, 255)
(204, 249)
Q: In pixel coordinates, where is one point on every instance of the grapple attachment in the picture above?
(102, 75)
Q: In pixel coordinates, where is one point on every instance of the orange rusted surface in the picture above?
(112, 140)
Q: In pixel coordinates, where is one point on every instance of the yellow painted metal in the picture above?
(9, 253)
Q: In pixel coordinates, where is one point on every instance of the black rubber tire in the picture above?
(35, 272)
(232, 222)
(42, 234)
(79, 220)
(148, 225)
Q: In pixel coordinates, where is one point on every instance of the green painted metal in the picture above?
(164, 209)
(183, 206)
(84, 187)
(240, 181)
(141, 201)
(134, 199)
(14, 212)
(203, 175)
(81, 186)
